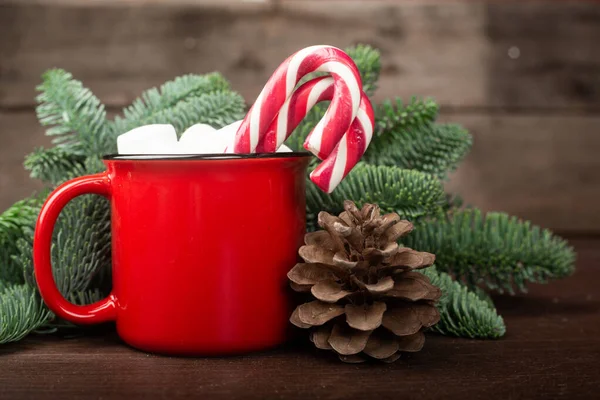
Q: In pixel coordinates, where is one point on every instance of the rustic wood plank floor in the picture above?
(552, 350)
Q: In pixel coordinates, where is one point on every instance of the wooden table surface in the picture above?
(551, 350)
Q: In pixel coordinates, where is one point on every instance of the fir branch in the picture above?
(75, 117)
(21, 312)
(393, 116)
(216, 109)
(17, 221)
(80, 245)
(495, 250)
(54, 166)
(407, 137)
(436, 149)
(153, 104)
(86, 297)
(464, 313)
(80, 253)
(411, 194)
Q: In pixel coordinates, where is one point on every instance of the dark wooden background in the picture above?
(524, 77)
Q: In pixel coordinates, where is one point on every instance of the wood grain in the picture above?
(538, 167)
(20, 134)
(550, 351)
(456, 52)
(557, 64)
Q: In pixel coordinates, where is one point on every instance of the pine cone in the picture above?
(369, 301)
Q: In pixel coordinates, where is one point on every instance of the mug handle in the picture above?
(101, 311)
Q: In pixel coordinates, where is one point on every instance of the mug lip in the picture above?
(204, 157)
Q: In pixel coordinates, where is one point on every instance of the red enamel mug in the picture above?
(201, 246)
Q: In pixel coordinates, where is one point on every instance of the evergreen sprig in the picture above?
(464, 313)
(153, 104)
(15, 223)
(54, 166)
(21, 312)
(80, 248)
(435, 149)
(495, 250)
(407, 137)
(396, 115)
(81, 245)
(217, 108)
(411, 194)
(73, 115)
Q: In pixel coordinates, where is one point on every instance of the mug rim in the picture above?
(203, 157)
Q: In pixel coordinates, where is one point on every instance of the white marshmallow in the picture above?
(228, 135)
(197, 139)
(200, 139)
(148, 139)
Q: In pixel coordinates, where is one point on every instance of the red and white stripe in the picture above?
(342, 111)
(293, 111)
(347, 151)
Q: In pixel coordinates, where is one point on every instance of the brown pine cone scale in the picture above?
(368, 300)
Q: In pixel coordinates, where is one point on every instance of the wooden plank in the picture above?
(457, 52)
(550, 351)
(20, 134)
(539, 167)
(542, 168)
(544, 54)
(95, 3)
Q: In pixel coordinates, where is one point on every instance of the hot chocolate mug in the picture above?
(201, 246)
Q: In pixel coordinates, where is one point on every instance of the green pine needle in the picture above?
(216, 109)
(395, 115)
(495, 250)
(411, 194)
(73, 115)
(464, 313)
(19, 220)
(54, 166)
(21, 312)
(406, 137)
(153, 105)
(81, 243)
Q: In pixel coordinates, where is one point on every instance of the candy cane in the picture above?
(346, 153)
(336, 121)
